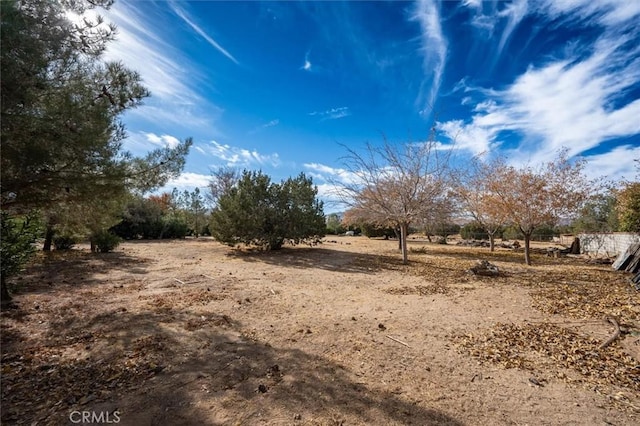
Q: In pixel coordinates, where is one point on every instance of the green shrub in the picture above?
(175, 228)
(64, 242)
(375, 231)
(512, 233)
(543, 233)
(16, 246)
(443, 230)
(105, 241)
(260, 213)
(473, 231)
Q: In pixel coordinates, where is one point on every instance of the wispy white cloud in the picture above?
(241, 157)
(514, 12)
(142, 49)
(332, 114)
(571, 102)
(329, 181)
(330, 174)
(163, 140)
(605, 12)
(485, 22)
(330, 196)
(474, 4)
(615, 164)
(471, 137)
(189, 181)
(271, 123)
(173, 80)
(140, 143)
(307, 63)
(433, 49)
(182, 14)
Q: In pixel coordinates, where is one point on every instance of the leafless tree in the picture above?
(222, 180)
(530, 197)
(473, 190)
(395, 185)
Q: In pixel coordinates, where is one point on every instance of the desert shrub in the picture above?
(334, 225)
(141, 218)
(375, 231)
(543, 233)
(16, 246)
(512, 233)
(64, 242)
(473, 231)
(105, 241)
(444, 230)
(264, 214)
(175, 228)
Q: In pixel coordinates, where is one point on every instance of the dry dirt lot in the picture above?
(192, 333)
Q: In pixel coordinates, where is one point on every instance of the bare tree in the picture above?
(395, 185)
(222, 180)
(533, 197)
(474, 191)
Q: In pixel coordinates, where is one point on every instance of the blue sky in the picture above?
(281, 86)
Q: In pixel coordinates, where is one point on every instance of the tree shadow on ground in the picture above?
(174, 367)
(73, 269)
(328, 259)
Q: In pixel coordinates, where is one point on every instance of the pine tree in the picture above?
(258, 212)
(61, 131)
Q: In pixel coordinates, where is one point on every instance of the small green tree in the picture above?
(334, 224)
(474, 231)
(16, 247)
(628, 207)
(193, 206)
(597, 215)
(258, 212)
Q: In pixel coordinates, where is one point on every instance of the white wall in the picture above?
(607, 244)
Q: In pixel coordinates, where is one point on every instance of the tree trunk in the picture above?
(527, 240)
(492, 242)
(48, 238)
(5, 297)
(403, 242)
(575, 246)
(398, 234)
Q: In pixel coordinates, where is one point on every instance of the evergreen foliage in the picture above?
(257, 212)
(474, 231)
(16, 247)
(628, 208)
(60, 124)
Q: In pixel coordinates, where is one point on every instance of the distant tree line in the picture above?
(165, 216)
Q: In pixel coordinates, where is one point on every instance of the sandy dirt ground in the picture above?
(191, 332)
